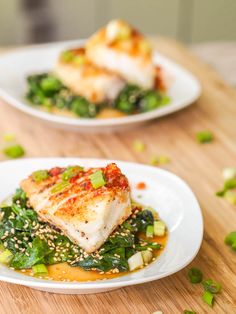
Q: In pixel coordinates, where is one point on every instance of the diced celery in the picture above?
(159, 228)
(147, 256)
(135, 261)
(6, 256)
(150, 231)
(40, 269)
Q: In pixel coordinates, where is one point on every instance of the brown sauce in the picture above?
(65, 272)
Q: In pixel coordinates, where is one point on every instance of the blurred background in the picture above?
(209, 26)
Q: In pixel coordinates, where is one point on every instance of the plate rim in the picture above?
(86, 122)
(106, 284)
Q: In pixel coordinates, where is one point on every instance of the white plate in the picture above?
(167, 193)
(15, 66)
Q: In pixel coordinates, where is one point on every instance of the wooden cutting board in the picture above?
(200, 165)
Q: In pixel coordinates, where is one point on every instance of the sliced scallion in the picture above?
(6, 256)
(230, 196)
(208, 298)
(138, 146)
(40, 269)
(71, 172)
(230, 240)
(14, 151)
(211, 286)
(60, 187)
(159, 228)
(189, 312)
(195, 275)
(204, 137)
(229, 173)
(8, 137)
(150, 231)
(40, 175)
(97, 179)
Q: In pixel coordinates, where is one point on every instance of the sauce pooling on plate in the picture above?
(66, 273)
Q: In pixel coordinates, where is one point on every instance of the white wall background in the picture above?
(190, 21)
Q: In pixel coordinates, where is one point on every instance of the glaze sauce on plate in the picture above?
(67, 273)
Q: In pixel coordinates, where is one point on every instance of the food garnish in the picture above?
(228, 191)
(97, 179)
(195, 275)
(230, 240)
(208, 298)
(40, 175)
(204, 137)
(9, 137)
(189, 312)
(14, 151)
(159, 160)
(138, 146)
(211, 286)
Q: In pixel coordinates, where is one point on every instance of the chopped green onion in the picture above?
(230, 240)
(67, 56)
(220, 193)
(147, 256)
(229, 173)
(79, 60)
(8, 137)
(14, 151)
(189, 312)
(230, 184)
(208, 298)
(211, 286)
(195, 275)
(138, 146)
(159, 228)
(135, 261)
(40, 175)
(97, 179)
(60, 186)
(204, 136)
(154, 161)
(71, 172)
(150, 231)
(40, 269)
(230, 196)
(6, 256)
(164, 159)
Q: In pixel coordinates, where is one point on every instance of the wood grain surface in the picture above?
(200, 165)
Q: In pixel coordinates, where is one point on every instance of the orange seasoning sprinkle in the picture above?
(141, 186)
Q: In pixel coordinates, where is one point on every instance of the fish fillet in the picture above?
(85, 79)
(121, 49)
(87, 215)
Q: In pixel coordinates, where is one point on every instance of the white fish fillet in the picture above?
(87, 80)
(85, 214)
(128, 55)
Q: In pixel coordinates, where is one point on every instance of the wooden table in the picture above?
(200, 165)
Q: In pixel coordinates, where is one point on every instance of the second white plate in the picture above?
(16, 66)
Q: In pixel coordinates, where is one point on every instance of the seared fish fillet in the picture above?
(87, 215)
(86, 79)
(121, 49)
